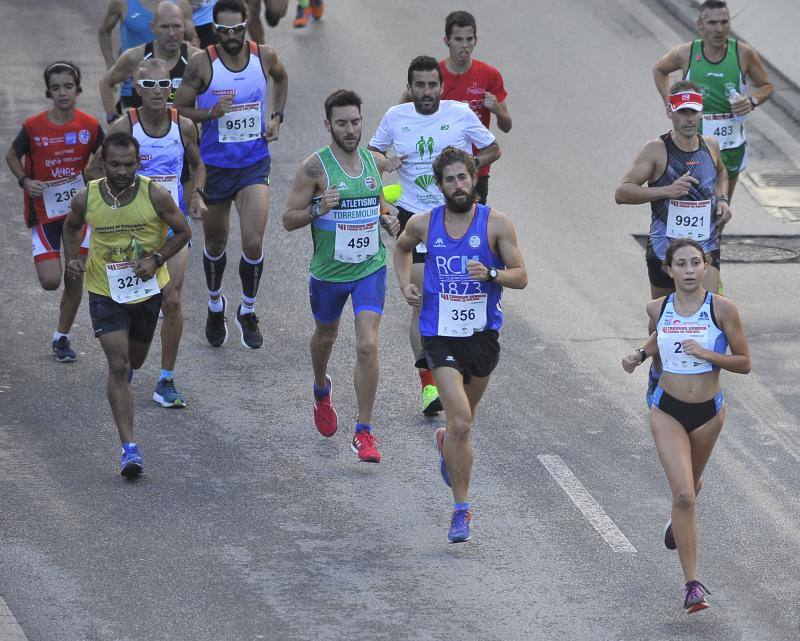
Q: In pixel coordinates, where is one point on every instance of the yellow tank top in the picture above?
(123, 234)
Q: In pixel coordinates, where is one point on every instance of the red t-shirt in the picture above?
(470, 87)
(55, 154)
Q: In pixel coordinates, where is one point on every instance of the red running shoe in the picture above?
(325, 417)
(366, 446)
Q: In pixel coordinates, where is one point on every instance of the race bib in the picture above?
(461, 314)
(170, 183)
(356, 242)
(726, 128)
(670, 341)
(125, 286)
(241, 123)
(57, 195)
(689, 219)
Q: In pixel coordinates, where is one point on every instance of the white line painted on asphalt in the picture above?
(9, 628)
(584, 501)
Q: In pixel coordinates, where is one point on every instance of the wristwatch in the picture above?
(158, 258)
(753, 102)
(642, 354)
(21, 181)
(492, 274)
(277, 113)
(202, 192)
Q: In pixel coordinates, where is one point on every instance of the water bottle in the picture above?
(733, 96)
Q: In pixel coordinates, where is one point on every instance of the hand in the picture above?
(681, 186)
(631, 362)
(329, 200)
(223, 106)
(390, 224)
(412, 295)
(75, 268)
(273, 129)
(742, 107)
(490, 102)
(723, 215)
(197, 208)
(34, 187)
(693, 348)
(393, 163)
(477, 271)
(145, 268)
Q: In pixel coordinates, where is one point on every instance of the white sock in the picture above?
(58, 335)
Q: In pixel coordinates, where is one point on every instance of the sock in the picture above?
(319, 394)
(461, 506)
(426, 378)
(214, 267)
(216, 306)
(363, 427)
(57, 335)
(248, 305)
(250, 274)
(166, 373)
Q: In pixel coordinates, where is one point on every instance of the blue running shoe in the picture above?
(441, 433)
(459, 526)
(167, 396)
(63, 351)
(652, 382)
(131, 463)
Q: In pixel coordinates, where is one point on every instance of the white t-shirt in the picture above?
(423, 138)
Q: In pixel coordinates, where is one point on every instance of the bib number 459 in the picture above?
(362, 242)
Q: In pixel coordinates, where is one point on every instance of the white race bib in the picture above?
(170, 183)
(57, 194)
(461, 314)
(241, 123)
(726, 128)
(356, 242)
(689, 219)
(125, 286)
(670, 340)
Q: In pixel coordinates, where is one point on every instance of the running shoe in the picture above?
(441, 434)
(63, 351)
(366, 446)
(325, 417)
(317, 9)
(459, 526)
(669, 537)
(248, 327)
(167, 396)
(217, 326)
(301, 19)
(431, 404)
(694, 597)
(131, 463)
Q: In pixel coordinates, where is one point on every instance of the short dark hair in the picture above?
(459, 19)
(62, 66)
(713, 4)
(681, 86)
(450, 156)
(341, 98)
(120, 140)
(676, 244)
(424, 63)
(235, 6)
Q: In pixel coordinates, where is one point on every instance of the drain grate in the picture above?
(776, 178)
(754, 249)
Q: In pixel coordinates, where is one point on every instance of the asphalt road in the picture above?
(249, 525)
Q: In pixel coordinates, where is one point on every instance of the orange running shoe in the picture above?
(302, 17)
(317, 9)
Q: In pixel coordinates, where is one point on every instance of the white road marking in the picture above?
(584, 501)
(9, 628)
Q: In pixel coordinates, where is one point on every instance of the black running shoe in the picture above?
(216, 326)
(248, 327)
(669, 537)
(63, 351)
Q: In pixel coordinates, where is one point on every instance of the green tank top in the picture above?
(347, 240)
(716, 80)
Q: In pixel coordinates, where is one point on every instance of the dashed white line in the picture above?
(584, 501)
(9, 628)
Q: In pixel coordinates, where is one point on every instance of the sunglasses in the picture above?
(229, 31)
(152, 84)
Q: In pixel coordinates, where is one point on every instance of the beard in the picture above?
(426, 109)
(233, 47)
(460, 206)
(346, 145)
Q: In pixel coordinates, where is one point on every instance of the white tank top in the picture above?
(161, 159)
(672, 329)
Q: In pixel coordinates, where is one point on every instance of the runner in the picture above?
(720, 65)
(473, 255)
(203, 18)
(230, 86)
(125, 273)
(136, 28)
(337, 190)
(56, 145)
(168, 27)
(419, 131)
(168, 145)
(274, 10)
(307, 9)
(693, 331)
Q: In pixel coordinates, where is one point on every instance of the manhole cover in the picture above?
(749, 252)
(776, 178)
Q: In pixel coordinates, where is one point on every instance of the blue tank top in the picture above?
(695, 211)
(203, 14)
(452, 304)
(234, 140)
(134, 30)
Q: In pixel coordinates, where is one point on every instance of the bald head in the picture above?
(167, 8)
(168, 26)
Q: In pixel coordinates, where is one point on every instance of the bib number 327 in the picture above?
(125, 286)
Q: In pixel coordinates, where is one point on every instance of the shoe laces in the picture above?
(460, 517)
(367, 439)
(251, 320)
(169, 385)
(695, 591)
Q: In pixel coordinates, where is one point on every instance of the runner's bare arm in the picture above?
(676, 59)
(722, 211)
(197, 169)
(14, 163)
(309, 181)
(738, 361)
(121, 70)
(515, 275)
(488, 155)
(170, 213)
(280, 88)
(500, 111)
(646, 167)
(195, 80)
(414, 233)
(113, 16)
(753, 66)
(71, 235)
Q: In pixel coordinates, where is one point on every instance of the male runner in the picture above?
(230, 86)
(472, 254)
(419, 130)
(203, 19)
(337, 190)
(167, 145)
(168, 27)
(720, 65)
(126, 270)
(56, 145)
(274, 10)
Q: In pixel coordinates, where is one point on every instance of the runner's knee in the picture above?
(684, 501)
